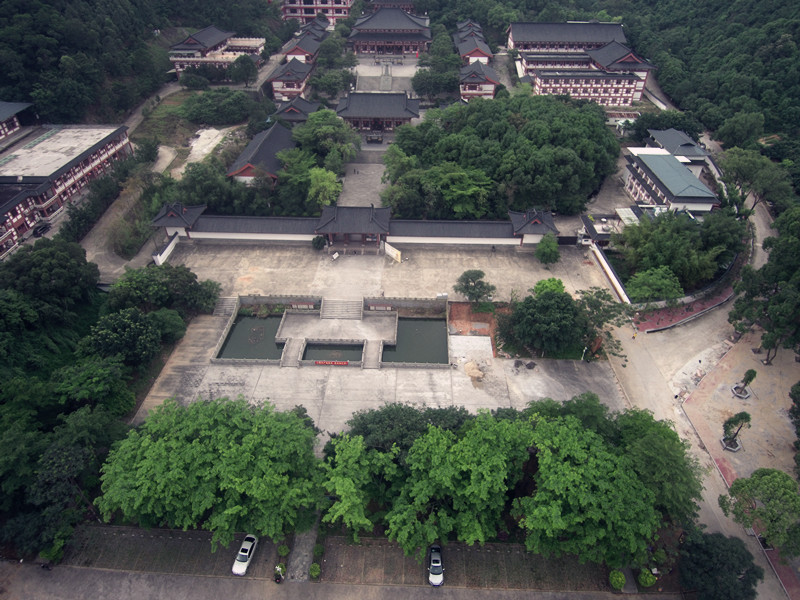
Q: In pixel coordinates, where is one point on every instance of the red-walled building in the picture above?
(43, 170)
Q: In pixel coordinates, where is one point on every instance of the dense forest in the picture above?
(91, 60)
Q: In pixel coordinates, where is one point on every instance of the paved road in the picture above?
(26, 582)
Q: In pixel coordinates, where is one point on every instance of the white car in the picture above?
(435, 568)
(245, 554)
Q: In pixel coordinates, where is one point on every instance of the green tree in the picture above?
(663, 462)
(323, 133)
(551, 284)
(351, 471)
(127, 333)
(587, 501)
(471, 284)
(94, 381)
(733, 426)
(770, 296)
(547, 250)
(169, 324)
(220, 106)
(603, 313)
(52, 274)
(717, 567)
(742, 129)
(550, 321)
(769, 499)
(164, 286)
(324, 188)
(750, 172)
(657, 283)
(672, 240)
(220, 465)
(458, 484)
(243, 70)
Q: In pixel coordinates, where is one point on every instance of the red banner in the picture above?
(340, 363)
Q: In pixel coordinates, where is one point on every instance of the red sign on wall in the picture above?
(340, 363)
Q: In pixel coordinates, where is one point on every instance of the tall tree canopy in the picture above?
(222, 465)
(529, 150)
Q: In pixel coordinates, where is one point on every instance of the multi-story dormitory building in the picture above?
(585, 60)
(45, 167)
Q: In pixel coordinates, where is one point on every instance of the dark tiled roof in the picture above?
(353, 219)
(178, 215)
(591, 33)
(617, 56)
(228, 224)
(9, 109)
(468, 24)
(205, 38)
(319, 23)
(262, 151)
(392, 18)
(532, 221)
(396, 37)
(365, 105)
(452, 229)
(294, 70)
(471, 44)
(296, 110)
(12, 194)
(553, 57)
(306, 42)
(676, 142)
(478, 73)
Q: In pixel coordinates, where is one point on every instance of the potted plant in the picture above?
(740, 389)
(616, 579)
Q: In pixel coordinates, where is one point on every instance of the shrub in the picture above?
(646, 578)
(319, 550)
(318, 243)
(616, 579)
(314, 570)
(283, 550)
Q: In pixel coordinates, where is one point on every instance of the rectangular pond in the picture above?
(333, 352)
(419, 341)
(254, 338)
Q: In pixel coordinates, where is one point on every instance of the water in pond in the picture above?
(332, 352)
(419, 341)
(251, 337)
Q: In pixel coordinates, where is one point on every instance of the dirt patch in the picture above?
(464, 321)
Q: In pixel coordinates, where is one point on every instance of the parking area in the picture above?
(375, 561)
(493, 566)
(166, 551)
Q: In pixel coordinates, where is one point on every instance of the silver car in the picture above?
(245, 554)
(435, 567)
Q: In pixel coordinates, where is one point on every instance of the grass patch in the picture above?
(484, 307)
(165, 123)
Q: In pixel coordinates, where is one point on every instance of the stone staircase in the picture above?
(225, 306)
(342, 309)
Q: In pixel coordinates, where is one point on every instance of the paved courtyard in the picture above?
(332, 393)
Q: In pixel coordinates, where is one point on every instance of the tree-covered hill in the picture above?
(86, 59)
